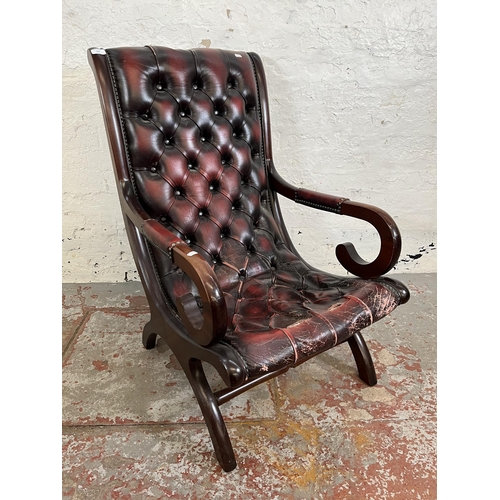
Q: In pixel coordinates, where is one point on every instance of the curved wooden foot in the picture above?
(213, 418)
(363, 359)
(148, 336)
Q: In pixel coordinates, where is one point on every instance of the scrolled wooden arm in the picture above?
(347, 255)
(390, 242)
(204, 327)
(212, 325)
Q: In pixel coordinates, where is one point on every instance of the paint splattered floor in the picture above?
(132, 428)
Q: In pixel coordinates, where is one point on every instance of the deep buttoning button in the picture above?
(177, 192)
(211, 187)
(183, 113)
(167, 141)
(163, 219)
(153, 169)
(144, 116)
(159, 87)
(202, 139)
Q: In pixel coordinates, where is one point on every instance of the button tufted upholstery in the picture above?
(193, 134)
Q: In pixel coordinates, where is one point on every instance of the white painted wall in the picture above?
(352, 89)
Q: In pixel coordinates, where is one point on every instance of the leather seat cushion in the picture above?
(287, 315)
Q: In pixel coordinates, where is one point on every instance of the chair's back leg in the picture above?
(363, 359)
(211, 412)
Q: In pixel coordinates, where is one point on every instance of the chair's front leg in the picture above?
(363, 359)
(211, 412)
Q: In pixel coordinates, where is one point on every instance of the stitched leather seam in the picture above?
(167, 180)
(266, 231)
(365, 306)
(122, 124)
(262, 147)
(231, 266)
(328, 324)
(215, 221)
(289, 336)
(265, 258)
(391, 289)
(173, 225)
(335, 209)
(262, 155)
(200, 170)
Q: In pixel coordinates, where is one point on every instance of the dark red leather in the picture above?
(194, 141)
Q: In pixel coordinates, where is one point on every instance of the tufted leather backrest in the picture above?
(192, 127)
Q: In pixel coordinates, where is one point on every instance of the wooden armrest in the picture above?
(390, 237)
(204, 327)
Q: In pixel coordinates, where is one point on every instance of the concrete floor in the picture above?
(132, 429)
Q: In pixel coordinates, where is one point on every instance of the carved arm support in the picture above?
(203, 327)
(347, 255)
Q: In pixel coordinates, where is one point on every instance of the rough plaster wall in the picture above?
(352, 89)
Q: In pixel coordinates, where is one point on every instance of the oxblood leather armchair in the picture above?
(190, 141)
